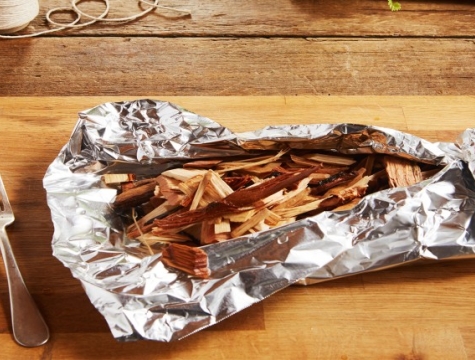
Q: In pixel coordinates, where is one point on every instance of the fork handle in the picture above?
(29, 327)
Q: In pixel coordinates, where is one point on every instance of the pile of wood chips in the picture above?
(208, 201)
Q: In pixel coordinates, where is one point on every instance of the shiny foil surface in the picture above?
(140, 298)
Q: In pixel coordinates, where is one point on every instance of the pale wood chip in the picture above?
(271, 199)
(346, 192)
(286, 220)
(212, 232)
(244, 164)
(292, 197)
(201, 190)
(331, 159)
(222, 226)
(240, 217)
(211, 188)
(316, 177)
(221, 187)
(183, 174)
(169, 188)
(262, 169)
(261, 226)
(302, 161)
(152, 238)
(299, 210)
(116, 179)
(249, 224)
(402, 172)
(189, 186)
(272, 218)
(215, 190)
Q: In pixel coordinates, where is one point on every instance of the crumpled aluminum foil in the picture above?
(140, 298)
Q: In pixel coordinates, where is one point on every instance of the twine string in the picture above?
(19, 9)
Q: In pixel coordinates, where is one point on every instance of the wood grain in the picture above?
(421, 312)
(289, 47)
(435, 18)
(239, 66)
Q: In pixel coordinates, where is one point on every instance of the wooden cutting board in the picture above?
(420, 312)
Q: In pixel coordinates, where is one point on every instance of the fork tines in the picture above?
(4, 203)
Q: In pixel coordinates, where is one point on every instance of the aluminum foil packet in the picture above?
(141, 298)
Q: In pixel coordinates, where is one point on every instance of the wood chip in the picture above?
(192, 260)
(332, 159)
(209, 201)
(253, 221)
(240, 217)
(201, 164)
(183, 174)
(245, 164)
(135, 196)
(200, 190)
(152, 238)
(169, 188)
(116, 179)
(402, 172)
(160, 211)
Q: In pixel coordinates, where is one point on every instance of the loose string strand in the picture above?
(153, 6)
(79, 14)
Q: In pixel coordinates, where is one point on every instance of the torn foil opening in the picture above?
(141, 298)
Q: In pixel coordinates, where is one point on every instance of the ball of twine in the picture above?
(15, 15)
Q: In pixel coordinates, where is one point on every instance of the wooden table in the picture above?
(418, 312)
(246, 66)
(265, 47)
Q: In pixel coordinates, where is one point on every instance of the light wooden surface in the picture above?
(422, 312)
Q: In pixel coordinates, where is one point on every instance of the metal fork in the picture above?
(29, 327)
